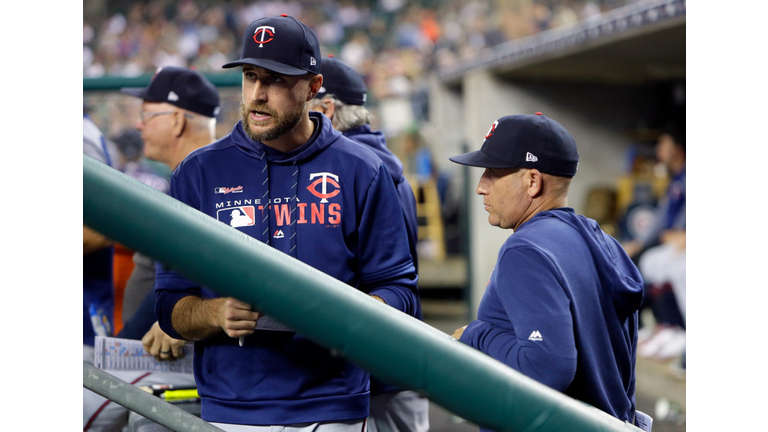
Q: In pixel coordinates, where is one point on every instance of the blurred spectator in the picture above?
(661, 256)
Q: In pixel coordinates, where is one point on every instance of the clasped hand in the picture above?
(237, 318)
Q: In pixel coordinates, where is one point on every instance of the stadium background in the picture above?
(439, 73)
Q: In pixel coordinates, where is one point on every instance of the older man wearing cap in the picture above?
(342, 99)
(561, 304)
(301, 187)
(178, 116)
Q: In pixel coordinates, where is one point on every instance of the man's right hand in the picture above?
(237, 318)
(196, 319)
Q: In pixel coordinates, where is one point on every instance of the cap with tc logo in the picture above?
(526, 141)
(280, 44)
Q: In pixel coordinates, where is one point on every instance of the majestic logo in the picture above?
(263, 34)
(492, 129)
(530, 157)
(324, 178)
(279, 234)
(226, 190)
(237, 216)
(535, 336)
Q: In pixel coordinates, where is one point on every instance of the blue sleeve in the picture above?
(533, 331)
(386, 268)
(170, 285)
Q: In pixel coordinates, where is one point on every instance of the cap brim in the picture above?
(269, 65)
(139, 92)
(480, 159)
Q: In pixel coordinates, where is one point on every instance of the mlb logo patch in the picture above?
(237, 216)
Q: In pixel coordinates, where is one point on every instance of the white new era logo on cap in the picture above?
(173, 96)
(530, 157)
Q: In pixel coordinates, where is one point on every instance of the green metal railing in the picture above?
(391, 345)
(109, 83)
(135, 399)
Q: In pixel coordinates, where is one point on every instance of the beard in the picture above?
(283, 122)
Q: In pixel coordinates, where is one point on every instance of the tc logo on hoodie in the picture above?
(324, 178)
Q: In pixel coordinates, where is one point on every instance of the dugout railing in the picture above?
(391, 345)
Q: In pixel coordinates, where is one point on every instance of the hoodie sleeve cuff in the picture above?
(166, 301)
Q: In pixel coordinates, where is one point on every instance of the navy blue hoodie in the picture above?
(561, 307)
(347, 222)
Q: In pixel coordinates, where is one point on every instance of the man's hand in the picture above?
(162, 346)
(237, 318)
(460, 331)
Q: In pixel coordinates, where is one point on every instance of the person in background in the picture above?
(98, 250)
(562, 302)
(178, 116)
(342, 99)
(660, 255)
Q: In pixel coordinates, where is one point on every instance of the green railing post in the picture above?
(391, 345)
(135, 399)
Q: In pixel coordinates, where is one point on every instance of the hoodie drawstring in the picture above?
(265, 201)
(294, 204)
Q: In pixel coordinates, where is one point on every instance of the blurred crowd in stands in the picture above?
(392, 43)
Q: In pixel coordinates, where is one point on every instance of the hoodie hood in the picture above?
(618, 274)
(323, 136)
(375, 141)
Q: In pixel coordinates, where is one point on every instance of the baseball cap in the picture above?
(281, 44)
(184, 88)
(343, 82)
(526, 141)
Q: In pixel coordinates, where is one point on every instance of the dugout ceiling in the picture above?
(642, 44)
(655, 55)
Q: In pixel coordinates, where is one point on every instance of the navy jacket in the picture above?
(561, 307)
(347, 223)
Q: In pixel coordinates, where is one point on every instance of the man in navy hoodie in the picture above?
(342, 99)
(285, 177)
(561, 304)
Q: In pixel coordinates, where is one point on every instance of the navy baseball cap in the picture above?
(526, 141)
(281, 44)
(184, 88)
(343, 82)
